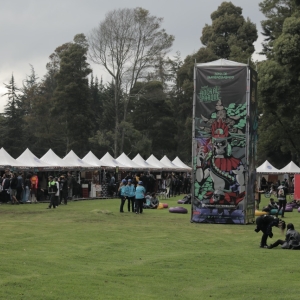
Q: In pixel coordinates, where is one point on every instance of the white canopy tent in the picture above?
(126, 161)
(73, 160)
(166, 161)
(92, 159)
(267, 168)
(109, 161)
(7, 161)
(51, 158)
(177, 161)
(28, 159)
(291, 168)
(140, 161)
(152, 160)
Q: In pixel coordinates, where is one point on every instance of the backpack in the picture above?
(281, 192)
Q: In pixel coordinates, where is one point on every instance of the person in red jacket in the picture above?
(34, 180)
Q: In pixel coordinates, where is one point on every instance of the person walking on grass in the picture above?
(292, 239)
(130, 193)
(139, 197)
(265, 224)
(122, 194)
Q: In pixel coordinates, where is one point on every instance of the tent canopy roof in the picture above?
(290, 168)
(222, 62)
(266, 167)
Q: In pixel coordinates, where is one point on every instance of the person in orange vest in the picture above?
(34, 180)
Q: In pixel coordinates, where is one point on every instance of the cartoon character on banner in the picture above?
(220, 176)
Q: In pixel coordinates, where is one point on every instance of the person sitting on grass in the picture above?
(272, 205)
(292, 239)
(265, 224)
(154, 201)
(147, 203)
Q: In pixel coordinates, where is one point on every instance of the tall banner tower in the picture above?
(224, 143)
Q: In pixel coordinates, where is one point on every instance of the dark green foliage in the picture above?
(230, 36)
(279, 83)
(72, 98)
(11, 123)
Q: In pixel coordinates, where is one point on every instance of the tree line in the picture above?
(147, 108)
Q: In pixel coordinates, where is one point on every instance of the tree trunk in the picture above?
(117, 117)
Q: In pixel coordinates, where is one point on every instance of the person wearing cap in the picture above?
(139, 197)
(292, 239)
(281, 195)
(122, 193)
(130, 193)
(265, 224)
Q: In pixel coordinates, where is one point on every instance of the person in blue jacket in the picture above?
(122, 193)
(139, 197)
(130, 193)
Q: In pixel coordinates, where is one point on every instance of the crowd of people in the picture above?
(136, 197)
(20, 188)
(173, 184)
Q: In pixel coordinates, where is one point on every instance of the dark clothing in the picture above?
(265, 224)
(123, 199)
(292, 240)
(130, 203)
(14, 183)
(139, 205)
(282, 199)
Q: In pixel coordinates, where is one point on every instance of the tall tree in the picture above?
(279, 84)
(72, 98)
(275, 11)
(127, 43)
(230, 36)
(12, 123)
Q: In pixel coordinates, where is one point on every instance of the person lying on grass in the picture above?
(265, 224)
(292, 239)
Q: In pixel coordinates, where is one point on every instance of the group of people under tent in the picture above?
(20, 188)
(136, 197)
(281, 193)
(171, 183)
(265, 224)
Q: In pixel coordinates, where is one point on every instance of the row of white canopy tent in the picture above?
(267, 168)
(51, 161)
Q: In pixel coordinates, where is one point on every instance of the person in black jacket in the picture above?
(292, 239)
(265, 224)
(13, 189)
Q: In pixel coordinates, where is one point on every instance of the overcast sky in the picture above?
(31, 30)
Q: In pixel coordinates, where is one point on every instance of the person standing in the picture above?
(52, 190)
(13, 189)
(139, 197)
(20, 187)
(281, 195)
(27, 186)
(63, 190)
(130, 193)
(70, 185)
(265, 224)
(168, 185)
(122, 193)
(34, 186)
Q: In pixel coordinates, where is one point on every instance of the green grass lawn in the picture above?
(88, 250)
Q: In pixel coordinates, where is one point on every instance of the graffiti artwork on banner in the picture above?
(219, 164)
